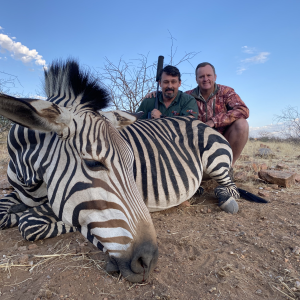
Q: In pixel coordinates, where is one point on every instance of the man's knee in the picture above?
(240, 126)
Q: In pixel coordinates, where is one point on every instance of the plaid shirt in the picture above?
(223, 107)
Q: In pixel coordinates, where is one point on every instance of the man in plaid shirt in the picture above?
(221, 108)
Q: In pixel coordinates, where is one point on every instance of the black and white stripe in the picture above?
(171, 156)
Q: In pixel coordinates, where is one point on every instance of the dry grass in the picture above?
(281, 150)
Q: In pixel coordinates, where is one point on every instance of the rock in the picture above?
(265, 152)
(23, 260)
(32, 246)
(22, 248)
(274, 186)
(240, 176)
(259, 167)
(281, 178)
(263, 194)
(297, 178)
(296, 250)
(212, 289)
(258, 291)
(267, 188)
(297, 284)
(281, 166)
(184, 204)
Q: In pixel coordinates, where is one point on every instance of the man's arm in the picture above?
(236, 109)
(146, 106)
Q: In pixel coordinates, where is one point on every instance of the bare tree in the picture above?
(290, 119)
(129, 81)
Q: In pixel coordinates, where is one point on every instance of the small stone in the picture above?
(260, 188)
(296, 250)
(281, 166)
(297, 178)
(267, 188)
(212, 289)
(260, 234)
(297, 284)
(48, 294)
(258, 291)
(185, 204)
(168, 231)
(22, 248)
(209, 211)
(231, 253)
(263, 193)
(32, 246)
(272, 252)
(240, 176)
(23, 260)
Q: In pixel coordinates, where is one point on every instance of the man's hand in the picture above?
(150, 95)
(155, 114)
(210, 123)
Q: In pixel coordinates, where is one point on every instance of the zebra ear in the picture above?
(121, 119)
(35, 114)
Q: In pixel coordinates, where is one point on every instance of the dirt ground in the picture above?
(204, 252)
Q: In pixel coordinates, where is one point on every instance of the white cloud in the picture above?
(32, 96)
(1, 28)
(261, 58)
(13, 38)
(240, 70)
(248, 50)
(272, 130)
(19, 51)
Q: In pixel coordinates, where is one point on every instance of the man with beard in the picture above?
(171, 101)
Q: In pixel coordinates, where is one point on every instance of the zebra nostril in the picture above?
(143, 263)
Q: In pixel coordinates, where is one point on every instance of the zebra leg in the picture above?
(40, 222)
(227, 192)
(11, 208)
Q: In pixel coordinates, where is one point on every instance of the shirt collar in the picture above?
(216, 88)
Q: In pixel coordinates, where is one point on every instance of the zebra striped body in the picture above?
(71, 168)
(171, 156)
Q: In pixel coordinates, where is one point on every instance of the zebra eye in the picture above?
(95, 165)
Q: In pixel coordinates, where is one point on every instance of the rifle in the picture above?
(159, 67)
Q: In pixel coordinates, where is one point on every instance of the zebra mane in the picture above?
(66, 80)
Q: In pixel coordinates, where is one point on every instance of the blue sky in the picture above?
(254, 45)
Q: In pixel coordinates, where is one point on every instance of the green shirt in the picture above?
(182, 105)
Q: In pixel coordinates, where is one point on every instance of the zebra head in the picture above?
(87, 167)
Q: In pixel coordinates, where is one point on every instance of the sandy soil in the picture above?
(204, 254)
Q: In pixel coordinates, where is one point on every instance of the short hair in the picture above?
(170, 70)
(203, 65)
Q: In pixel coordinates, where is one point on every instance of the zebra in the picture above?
(71, 169)
(174, 155)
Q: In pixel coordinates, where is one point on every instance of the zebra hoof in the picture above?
(230, 206)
